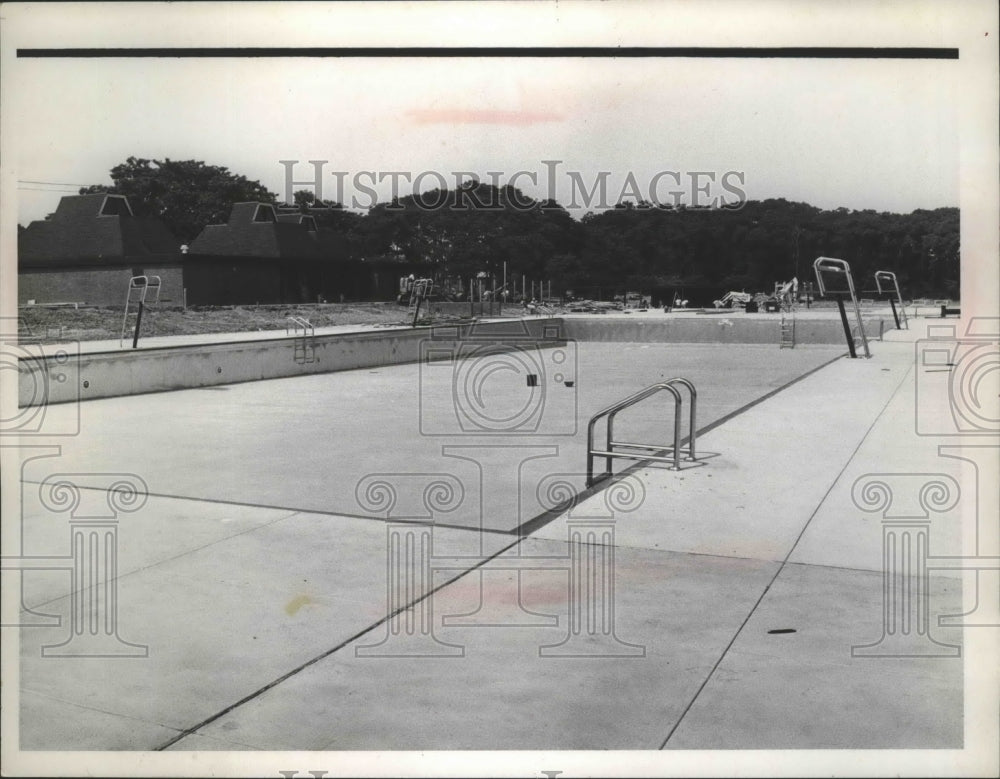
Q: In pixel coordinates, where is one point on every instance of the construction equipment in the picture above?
(410, 287)
(634, 300)
(733, 298)
(786, 294)
(782, 299)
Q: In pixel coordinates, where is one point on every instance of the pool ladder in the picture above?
(138, 288)
(899, 316)
(305, 347)
(787, 331)
(636, 451)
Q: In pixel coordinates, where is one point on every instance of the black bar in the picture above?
(894, 314)
(416, 310)
(847, 327)
(138, 322)
(744, 52)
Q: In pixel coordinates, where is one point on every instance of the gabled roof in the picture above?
(256, 230)
(95, 229)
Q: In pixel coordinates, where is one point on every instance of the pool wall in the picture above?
(711, 328)
(68, 375)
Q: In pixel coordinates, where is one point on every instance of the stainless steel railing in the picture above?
(305, 346)
(639, 451)
(890, 276)
(138, 288)
(296, 323)
(833, 265)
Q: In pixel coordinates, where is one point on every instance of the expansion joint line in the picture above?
(784, 562)
(257, 693)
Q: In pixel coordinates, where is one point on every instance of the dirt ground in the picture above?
(52, 324)
(93, 324)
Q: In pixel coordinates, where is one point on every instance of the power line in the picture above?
(53, 183)
(41, 189)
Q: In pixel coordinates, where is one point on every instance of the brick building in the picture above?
(87, 251)
(265, 254)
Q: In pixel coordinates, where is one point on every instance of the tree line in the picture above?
(640, 246)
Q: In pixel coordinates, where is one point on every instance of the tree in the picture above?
(185, 194)
(476, 228)
(638, 246)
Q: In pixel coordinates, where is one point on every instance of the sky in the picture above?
(861, 134)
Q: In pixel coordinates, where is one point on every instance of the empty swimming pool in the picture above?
(318, 442)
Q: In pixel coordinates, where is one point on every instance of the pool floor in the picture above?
(320, 443)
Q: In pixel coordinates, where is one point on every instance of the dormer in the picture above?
(264, 213)
(115, 205)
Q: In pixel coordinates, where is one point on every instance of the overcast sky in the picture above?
(854, 133)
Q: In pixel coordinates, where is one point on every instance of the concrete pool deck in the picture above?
(744, 604)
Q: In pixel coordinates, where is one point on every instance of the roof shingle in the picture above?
(255, 230)
(94, 229)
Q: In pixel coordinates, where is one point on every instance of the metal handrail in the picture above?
(305, 347)
(890, 276)
(142, 284)
(612, 411)
(832, 265)
(297, 322)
